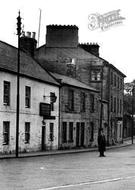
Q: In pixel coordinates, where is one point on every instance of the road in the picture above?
(80, 171)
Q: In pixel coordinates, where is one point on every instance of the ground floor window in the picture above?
(70, 131)
(27, 132)
(64, 132)
(6, 129)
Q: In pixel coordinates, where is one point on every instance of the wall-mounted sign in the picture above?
(45, 109)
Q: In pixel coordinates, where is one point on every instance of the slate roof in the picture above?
(72, 82)
(28, 66)
(54, 53)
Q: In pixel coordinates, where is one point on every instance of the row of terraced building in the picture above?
(67, 92)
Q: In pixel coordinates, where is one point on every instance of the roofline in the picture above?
(105, 61)
(27, 76)
(9, 44)
(80, 87)
(117, 70)
(34, 60)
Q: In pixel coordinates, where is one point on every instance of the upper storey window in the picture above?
(96, 75)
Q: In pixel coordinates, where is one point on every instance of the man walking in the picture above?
(101, 143)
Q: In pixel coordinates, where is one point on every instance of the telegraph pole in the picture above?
(18, 84)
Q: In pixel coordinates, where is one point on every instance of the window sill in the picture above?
(5, 144)
(26, 142)
(4, 104)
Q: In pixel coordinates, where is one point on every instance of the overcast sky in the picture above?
(117, 43)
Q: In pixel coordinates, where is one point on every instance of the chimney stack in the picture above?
(91, 48)
(62, 36)
(28, 43)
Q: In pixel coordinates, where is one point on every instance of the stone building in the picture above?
(38, 123)
(79, 113)
(63, 54)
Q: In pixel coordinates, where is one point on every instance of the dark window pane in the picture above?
(27, 96)
(6, 129)
(71, 100)
(64, 132)
(6, 98)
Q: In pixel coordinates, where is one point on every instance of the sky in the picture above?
(116, 44)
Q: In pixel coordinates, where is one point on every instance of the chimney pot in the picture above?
(33, 35)
(28, 34)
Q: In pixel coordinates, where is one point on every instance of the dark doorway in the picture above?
(43, 145)
(77, 134)
(82, 133)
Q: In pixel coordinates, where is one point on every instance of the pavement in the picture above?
(126, 142)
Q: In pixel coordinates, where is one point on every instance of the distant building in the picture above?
(63, 54)
(39, 92)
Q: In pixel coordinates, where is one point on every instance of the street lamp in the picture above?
(130, 88)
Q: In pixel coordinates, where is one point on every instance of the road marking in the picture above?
(88, 183)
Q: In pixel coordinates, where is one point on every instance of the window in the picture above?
(27, 96)
(114, 104)
(111, 78)
(120, 106)
(71, 100)
(117, 105)
(6, 129)
(82, 102)
(6, 98)
(27, 132)
(114, 80)
(51, 131)
(70, 131)
(64, 132)
(121, 84)
(92, 103)
(96, 75)
(111, 104)
(118, 83)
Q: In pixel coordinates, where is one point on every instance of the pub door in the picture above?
(43, 138)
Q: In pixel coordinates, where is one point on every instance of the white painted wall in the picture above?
(8, 113)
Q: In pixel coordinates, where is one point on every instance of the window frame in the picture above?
(95, 75)
(71, 100)
(6, 95)
(83, 102)
(6, 132)
(27, 96)
(92, 103)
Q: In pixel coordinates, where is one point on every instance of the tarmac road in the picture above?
(77, 171)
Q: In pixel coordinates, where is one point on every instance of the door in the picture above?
(77, 133)
(43, 139)
(82, 134)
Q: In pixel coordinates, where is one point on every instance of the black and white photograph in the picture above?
(67, 95)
